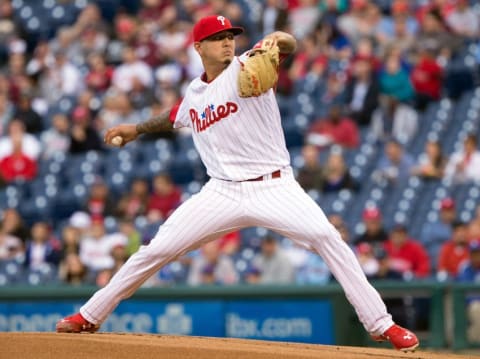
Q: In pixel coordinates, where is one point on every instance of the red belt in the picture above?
(275, 174)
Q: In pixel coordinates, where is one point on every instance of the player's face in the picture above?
(218, 47)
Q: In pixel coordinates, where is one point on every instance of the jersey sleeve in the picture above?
(179, 115)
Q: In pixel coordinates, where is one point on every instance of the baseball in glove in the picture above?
(259, 73)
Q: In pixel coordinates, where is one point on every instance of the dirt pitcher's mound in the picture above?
(131, 346)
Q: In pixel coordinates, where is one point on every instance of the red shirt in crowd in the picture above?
(409, 257)
(99, 80)
(452, 256)
(427, 77)
(17, 166)
(165, 204)
(343, 133)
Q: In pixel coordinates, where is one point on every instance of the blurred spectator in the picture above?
(16, 132)
(395, 165)
(394, 79)
(26, 114)
(463, 166)
(273, 263)
(375, 233)
(309, 268)
(335, 43)
(10, 246)
(90, 18)
(435, 233)
(6, 111)
(354, 23)
(18, 79)
(134, 202)
(362, 92)
(125, 29)
(99, 203)
(97, 245)
(56, 139)
(335, 129)
(274, 16)
(470, 273)
(120, 256)
(453, 253)
(386, 271)
(229, 244)
(42, 247)
(117, 109)
(8, 28)
(17, 165)
(145, 46)
(211, 267)
(72, 270)
(140, 96)
(463, 21)
(313, 270)
(333, 93)
(156, 13)
(83, 136)
(61, 79)
(169, 77)
(303, 18)
(80, 222)
(70, 238)
(427, 78)
(99, 76)
(431, 163)
(252, 275)
(92, 40)
(41, 60)
(134, 239)
(171, 41)
(336, 175)
(365, 50)
(404, 31)
(14, 225)
(407, 256)
(132, 69)
(443, 8)
(434, 36)
(400, 27)
(394, 120)
(470, 270)
(310, 174)
(308, 59)
(474, 227)
(366, 257)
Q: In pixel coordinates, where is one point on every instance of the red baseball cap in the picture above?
(447, 203)
(210, 25)
(79, 113)
(371, 213)
(400, 7)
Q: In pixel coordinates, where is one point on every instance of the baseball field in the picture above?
(131, 346)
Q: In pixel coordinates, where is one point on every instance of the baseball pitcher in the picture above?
(237, 130)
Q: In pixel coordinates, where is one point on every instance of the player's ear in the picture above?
(197, 46)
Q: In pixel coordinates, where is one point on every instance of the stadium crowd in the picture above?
(73, 210)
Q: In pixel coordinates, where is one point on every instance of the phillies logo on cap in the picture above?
(221, 19)
(210, 25)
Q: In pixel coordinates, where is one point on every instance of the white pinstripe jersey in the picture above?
(237, 138)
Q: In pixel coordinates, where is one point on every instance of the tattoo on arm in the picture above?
(155, 124)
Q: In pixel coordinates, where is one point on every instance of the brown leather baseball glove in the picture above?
(259, 73)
